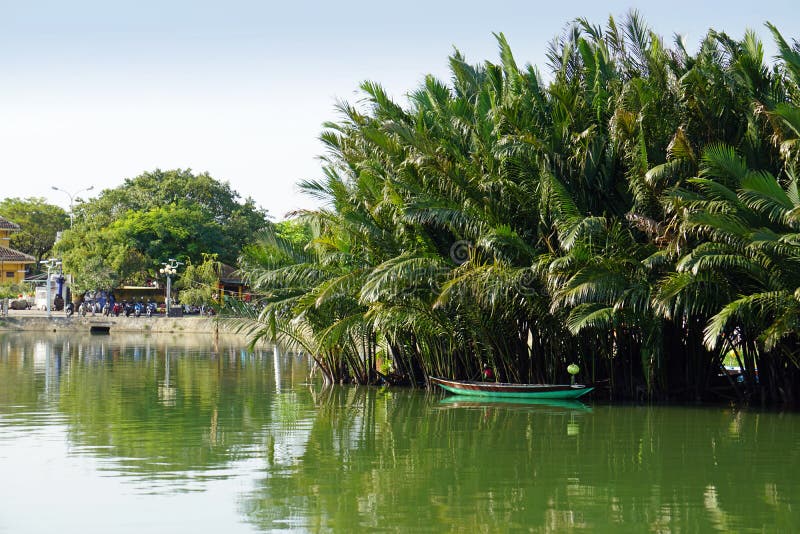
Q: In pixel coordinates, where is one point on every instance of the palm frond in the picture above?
(590, 316)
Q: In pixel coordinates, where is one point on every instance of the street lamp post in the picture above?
(169, 269)
(72, 199)
(51, 263)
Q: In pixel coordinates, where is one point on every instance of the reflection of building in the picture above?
(13, 263)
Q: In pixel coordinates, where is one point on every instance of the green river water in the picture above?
(177, 433)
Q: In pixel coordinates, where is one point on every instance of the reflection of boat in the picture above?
(503, 389)
(467, 401)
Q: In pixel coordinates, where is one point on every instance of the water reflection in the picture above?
(466, 401)
(180, 415)
(397, 461)
(161, 408)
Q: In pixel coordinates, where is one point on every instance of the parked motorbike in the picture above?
(69, 309)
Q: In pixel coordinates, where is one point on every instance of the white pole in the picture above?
(71, 200)
(48, 290)
(52, 262)
(170, 268)
(169, 292)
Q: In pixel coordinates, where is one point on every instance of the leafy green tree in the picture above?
(198, 282)
(295, 232)
(39, 224)
(161, 214)
(93, 274)
(12, 291)
(634, 214)
(748, 224)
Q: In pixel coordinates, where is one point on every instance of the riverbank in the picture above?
(37, 321)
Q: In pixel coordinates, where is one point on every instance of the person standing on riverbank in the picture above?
(488, 374)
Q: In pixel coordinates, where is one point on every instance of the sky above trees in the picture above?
(97, 92)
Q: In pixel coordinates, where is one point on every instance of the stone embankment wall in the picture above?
(116, 324)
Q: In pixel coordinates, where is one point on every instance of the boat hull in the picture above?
(505, 390)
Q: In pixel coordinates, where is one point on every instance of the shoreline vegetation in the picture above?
(635, 211)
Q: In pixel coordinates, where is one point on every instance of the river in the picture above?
(179, 433)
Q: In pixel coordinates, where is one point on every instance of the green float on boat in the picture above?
(503, 389)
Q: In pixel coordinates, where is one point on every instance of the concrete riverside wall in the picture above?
(117, 324)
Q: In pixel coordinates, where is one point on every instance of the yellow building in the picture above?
(12, 262)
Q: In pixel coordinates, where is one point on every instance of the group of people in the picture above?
(111, 307)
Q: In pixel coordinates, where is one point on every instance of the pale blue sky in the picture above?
(93, 92)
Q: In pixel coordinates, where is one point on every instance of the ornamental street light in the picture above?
(72, 199)
(169, 269)
(50, 263)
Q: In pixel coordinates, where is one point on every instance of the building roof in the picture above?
(9, 254)
(229, 275)
(5, 224)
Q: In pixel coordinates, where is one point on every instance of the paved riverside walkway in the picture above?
(37, 320)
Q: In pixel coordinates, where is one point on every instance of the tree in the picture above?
(12, 291)
(198, 283)
(748, 223)
(636, 214)
(158, 215)
(39, 224)
(93, 274)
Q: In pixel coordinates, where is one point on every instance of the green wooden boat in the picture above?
(503, 389)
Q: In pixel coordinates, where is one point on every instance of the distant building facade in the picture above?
(13, 263)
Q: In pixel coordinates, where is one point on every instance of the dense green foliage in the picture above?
(638, 214)
(123, 235)
(198, 282)
(13, 290)
(39, 223)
